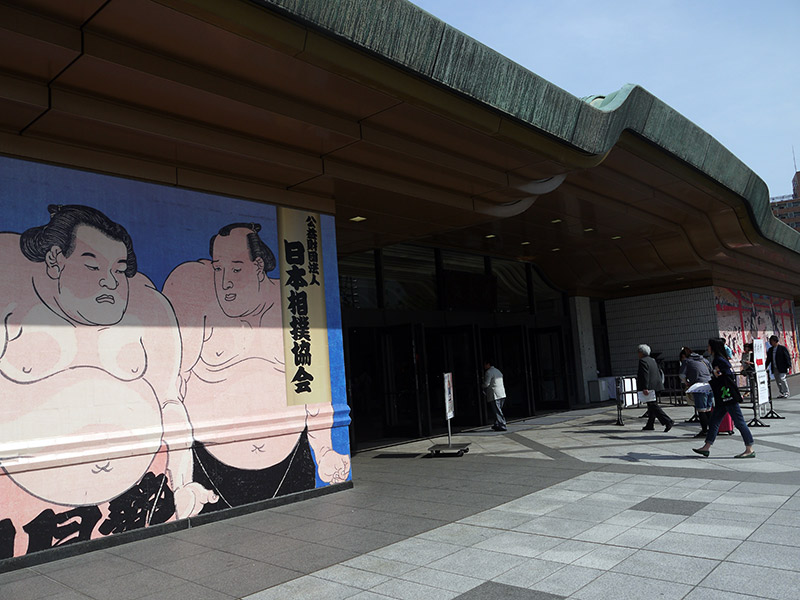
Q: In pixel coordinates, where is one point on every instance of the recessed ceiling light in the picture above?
(616, 237)
(556, 221)
(555, 249)
(681, 278)
(625, 286)
(525, 244)
(490, 236)
(588, 229)
(358, 219)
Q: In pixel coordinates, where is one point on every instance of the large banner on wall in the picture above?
(158, 355)
(744, 316)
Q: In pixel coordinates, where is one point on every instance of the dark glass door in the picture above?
(508, 347)
(454, 350)
(402, 379)
(550, 387)
(384, 383)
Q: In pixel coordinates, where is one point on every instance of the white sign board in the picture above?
(762, 386)
(449, 401)
(759, 354)
(628, 390)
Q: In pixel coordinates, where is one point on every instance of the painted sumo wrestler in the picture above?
(89, 360)
(249, 444)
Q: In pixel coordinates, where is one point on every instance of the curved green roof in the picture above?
(406, 35)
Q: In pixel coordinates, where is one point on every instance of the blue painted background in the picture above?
(168, 226)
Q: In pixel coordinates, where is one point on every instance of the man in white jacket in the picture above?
(495, 394)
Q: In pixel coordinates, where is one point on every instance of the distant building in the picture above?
(787, 208)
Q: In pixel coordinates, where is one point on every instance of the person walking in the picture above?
(495, 394)
(696, 369)
(648, 382)
(778, 356)
(726, 396)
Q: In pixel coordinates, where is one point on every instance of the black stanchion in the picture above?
(755, 421)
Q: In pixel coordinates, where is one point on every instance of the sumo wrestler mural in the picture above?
(124, 405)
(743, 316)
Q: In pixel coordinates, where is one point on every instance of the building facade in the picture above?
(219, 253)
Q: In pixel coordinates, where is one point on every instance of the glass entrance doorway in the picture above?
(454, 350)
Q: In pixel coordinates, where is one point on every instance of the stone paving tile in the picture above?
(568, 580)
(767, 555)
(701, 593)
(98, 568)
(661, 522)
(762, 582)
(375, 564)
(777, 534)
(185, 591)
(520, 544)
(604, 557)
(247, 579)
(667, 567)
(723, 528)
(307, 588)
(411, 590)
(498, 591)
(475, 562)
(529, 572)
(620, 585)
(192, 568)
(568, 551)
(669, 506)
(636, 537)
(132, 585)
(784, 517)
(688, 544)
(601, 533)
(417, 551)
(353, 577)
(32, 587)
(629, 518)
(563, 528)
(442, 579)
(361, 541)
(459, 534)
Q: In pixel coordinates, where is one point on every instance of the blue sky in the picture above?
(731, 67)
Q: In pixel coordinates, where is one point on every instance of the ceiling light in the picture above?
(555, 249)
(490, 236)
(625, 287)
(525, 244)
(588, 229)
(681, 278)
(556, 221)
(616, 237)
(358, 219)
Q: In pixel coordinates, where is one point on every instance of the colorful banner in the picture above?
(743, 316)
(144, 376)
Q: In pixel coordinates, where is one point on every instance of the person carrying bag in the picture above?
(726, 401)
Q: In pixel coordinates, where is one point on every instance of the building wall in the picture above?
(665, 322)
(145, 380)
(743, 316)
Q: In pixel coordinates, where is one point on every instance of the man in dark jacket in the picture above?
(648, 382)
(778, 356)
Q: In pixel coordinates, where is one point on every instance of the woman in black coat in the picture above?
(722, 368)
(648, 381)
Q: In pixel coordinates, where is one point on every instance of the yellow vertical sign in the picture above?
(305, 325)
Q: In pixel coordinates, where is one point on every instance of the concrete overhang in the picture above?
(375, 108)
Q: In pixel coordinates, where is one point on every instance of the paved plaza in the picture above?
(562, 506)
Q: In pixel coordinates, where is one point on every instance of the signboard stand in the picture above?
(627, 396)
(760, 392)
(450, 412)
